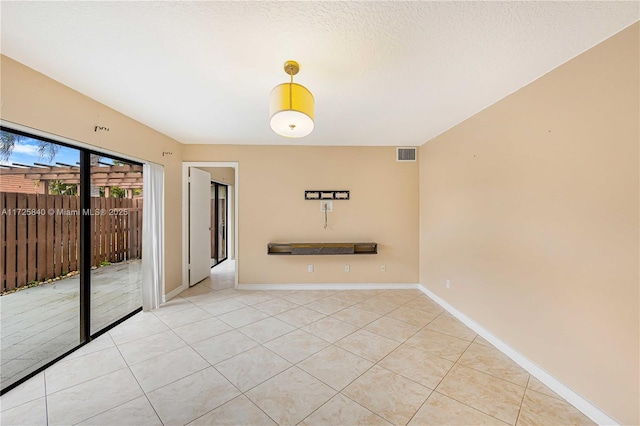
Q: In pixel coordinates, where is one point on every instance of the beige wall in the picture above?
(271, 183)
(34, 100)
(530, 208)
(221, 174)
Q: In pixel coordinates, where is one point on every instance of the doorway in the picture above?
(219, 216)
(221, 213)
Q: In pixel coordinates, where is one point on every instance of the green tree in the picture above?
(117, 192)
(57, 187)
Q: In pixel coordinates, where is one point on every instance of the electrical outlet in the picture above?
(383, 268)
(347, 268)
(448, 284)
(310, 268)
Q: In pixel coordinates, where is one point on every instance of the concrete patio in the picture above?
(40, 323)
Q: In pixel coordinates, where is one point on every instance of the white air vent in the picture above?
(408, 154)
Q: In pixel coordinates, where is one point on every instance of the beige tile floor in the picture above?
(218, 356)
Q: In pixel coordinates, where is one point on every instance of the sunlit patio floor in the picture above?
(40, 323)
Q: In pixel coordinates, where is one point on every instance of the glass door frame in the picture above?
(84, 237)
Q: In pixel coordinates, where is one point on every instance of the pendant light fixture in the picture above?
(291, 106)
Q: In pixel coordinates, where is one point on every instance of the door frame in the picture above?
(85, 151)
(215, 229)
(185, 215)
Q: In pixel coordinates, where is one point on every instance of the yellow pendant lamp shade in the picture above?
(291, 106)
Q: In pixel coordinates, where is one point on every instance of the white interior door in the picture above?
(199, 225)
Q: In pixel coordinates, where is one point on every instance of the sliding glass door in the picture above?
(116, 239)
(70, 234)
(39, 256)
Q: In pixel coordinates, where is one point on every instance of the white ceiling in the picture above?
(382, 73)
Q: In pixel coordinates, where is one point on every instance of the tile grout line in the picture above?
(343, 395)
(522, 400)
(457, 362)
(462, 402)
(338, 347)
(226, 359)
(144, 337)
(215, 408)
(260, 408)
(88, 380)
(492, 375)
(471, 407)
(421, 405)
(356, 402)
(125, 402)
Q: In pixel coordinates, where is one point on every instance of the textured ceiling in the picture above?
(382, 73)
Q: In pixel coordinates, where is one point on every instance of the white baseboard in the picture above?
(329, 286)
(173, 293)
(586, 407)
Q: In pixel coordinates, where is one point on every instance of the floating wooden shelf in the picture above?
(321, 248)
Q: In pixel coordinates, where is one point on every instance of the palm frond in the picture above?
(7, 144)
(48, 150)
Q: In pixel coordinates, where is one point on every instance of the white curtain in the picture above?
(152, 236)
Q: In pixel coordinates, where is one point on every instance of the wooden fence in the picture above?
(40, 235)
